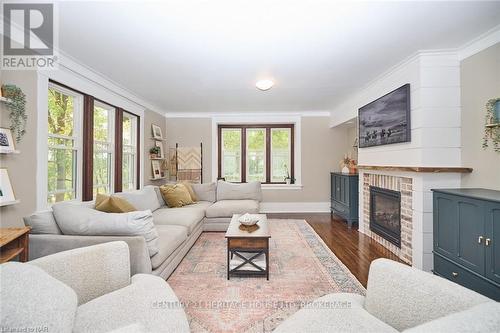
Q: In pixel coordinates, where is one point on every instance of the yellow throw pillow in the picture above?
(112, 204)
(176, 195)
(190, 190)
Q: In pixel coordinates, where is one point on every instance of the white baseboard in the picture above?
(294, 207)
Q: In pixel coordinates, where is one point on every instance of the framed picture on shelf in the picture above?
(6, 191)
(157, 134)
(6, 141)
(156, 169)
(160, 145)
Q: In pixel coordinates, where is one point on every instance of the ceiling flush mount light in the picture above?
(265, 84)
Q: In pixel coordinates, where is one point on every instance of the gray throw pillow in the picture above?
(42, 223)
(76, 219)
(245, 191)
(205, 192)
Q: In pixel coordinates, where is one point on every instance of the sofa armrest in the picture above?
(404, 297)
(90, 271)
(46, 244)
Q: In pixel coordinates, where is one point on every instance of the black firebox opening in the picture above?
(385, 214)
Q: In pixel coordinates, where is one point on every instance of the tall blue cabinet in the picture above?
(467, 238)
(344, 196)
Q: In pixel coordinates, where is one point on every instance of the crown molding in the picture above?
(210, 115)
(482, 42)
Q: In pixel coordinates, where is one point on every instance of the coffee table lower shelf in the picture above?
(247, 262)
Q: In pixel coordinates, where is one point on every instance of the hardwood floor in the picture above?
(353, 248)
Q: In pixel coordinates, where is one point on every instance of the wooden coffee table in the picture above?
(248, 249)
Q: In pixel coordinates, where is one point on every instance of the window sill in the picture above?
(281, 186)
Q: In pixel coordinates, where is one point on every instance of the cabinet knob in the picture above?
(454, 274)
(488, 242)
(480, 239)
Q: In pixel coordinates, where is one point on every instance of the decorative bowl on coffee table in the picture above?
(248, 219)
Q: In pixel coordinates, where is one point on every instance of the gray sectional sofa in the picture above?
(178, 228)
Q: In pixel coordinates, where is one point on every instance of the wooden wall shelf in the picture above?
(416, 169)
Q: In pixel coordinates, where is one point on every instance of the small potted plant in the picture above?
(288, 180)
(154, 152)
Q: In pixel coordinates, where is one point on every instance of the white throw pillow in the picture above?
(75, 219)
(143, 199)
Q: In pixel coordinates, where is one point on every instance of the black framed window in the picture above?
(256, 152)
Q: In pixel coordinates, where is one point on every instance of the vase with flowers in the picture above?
(348, 165)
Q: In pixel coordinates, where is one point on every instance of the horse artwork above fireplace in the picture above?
(385, 214)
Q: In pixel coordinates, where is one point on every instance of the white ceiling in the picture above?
(205, 56)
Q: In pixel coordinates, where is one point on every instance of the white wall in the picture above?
(434, 80)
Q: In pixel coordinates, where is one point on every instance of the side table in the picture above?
(14, 242)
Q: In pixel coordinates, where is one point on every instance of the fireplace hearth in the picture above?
(385, 214)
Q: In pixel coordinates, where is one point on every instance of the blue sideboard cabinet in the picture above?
(344, 196)
(467, 238)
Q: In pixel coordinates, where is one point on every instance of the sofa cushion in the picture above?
(226, 208)
(205, 192)
(187, 216)
(74, 219)
(42, 223)
(148, 301)
(143, 199)
(170, 237)
(334, 313)
(31, 299)
(244, 191)
(480, 318)
(176, 195)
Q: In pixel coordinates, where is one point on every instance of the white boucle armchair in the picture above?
(87, 289)
(399, 298)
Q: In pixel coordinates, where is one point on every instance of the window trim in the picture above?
(113, 134)
(268, 128)
(77, 139)
(136, 148)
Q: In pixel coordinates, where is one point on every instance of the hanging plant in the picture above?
(17, 105)
(492, 126)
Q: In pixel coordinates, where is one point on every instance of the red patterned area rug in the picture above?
(302, 267)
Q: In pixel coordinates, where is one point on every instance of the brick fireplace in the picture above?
(402, 186)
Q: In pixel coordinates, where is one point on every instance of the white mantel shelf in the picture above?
(415, 169)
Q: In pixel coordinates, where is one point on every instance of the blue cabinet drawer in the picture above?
(462, 276)
(340, 208)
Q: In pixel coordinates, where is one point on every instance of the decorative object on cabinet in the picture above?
(7, 196)
(6, 141)
(386, 120)
(348, 165)
(156, 130)
(344, 196)
(189, 163)
(16, 102)
(492, 124)
(467, 238)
